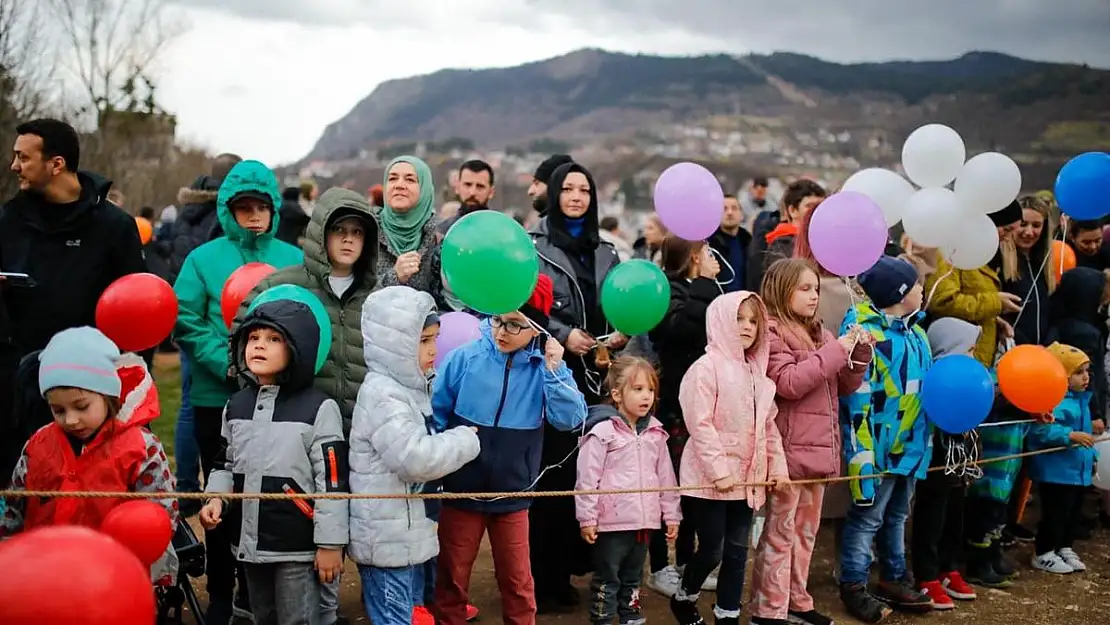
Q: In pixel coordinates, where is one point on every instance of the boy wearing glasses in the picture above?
(505, 384)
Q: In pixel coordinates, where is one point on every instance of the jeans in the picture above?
(618, 566)
(186, 450)
(388, 594)
(1061, 507)
(882, 523)
(938, 528)
(723, 527)
(683, 546)
(424, 584)
(284, 593)
(329, 602)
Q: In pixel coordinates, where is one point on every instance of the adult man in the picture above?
(609, 229)
(60, 230)
(538, 189)
(775, 231)
(731, 242)
(474, 188)
(755, 201)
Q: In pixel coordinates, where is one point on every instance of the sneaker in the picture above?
(1072, 559)
(472, 613)
(421, 616)
(665, 581)
(980, 570)
(903, 596)
(1002, 564)
(812, 617)
(686, 612)
(862, 605)
(1021, 534)
(710, 583)
(956, 587)
(1051, 562)
(937, 594)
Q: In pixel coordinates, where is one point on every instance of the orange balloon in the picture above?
(1063, 258)
(1032, 379)
(146, 229)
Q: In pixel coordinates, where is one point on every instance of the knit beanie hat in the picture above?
(538, 306)
(1072, 358)
(888, 281)
(549, 165)
(80, 358)
(1011, 214)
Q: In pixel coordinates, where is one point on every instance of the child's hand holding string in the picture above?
(589, 534)
(329, 563)
(672, 531)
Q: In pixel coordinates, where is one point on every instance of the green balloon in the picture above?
(304, 296)
(635, 296)
(489, 262)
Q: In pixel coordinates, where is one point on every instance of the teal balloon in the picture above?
(635, 296)
(300, 294)
(489, 262)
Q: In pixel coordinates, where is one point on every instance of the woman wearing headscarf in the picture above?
(574, 257)
(408, 251)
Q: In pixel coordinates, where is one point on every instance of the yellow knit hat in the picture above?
(1069, 356)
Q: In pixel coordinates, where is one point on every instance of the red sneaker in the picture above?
(941, 600)
(956, 587)
(421, 616)
(471, 613)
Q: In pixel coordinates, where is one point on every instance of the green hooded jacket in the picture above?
(200, 330)
(345, 368)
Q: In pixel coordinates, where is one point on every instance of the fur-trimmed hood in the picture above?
(195, 196)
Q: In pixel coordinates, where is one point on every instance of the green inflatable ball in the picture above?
(635, 296)
(489, 262)
(300, 294)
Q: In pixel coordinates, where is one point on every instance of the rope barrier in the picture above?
(17, 494)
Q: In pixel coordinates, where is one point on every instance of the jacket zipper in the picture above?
(342, 351)
(504, 392)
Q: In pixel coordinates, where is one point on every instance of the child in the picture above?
(245, 211)
(103, 403)
(679, 340)
(883, 431)
(506, 385)
(281, 436)
(1062, 477)
(938, 510)
(810, 369)
(728, 403)
(624, 448)
(394, 450)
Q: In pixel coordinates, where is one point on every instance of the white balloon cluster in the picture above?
(955, 220)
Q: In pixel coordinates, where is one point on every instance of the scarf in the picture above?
(578, 236)
(403, 231)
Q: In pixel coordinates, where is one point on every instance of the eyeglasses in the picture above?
(511, 327)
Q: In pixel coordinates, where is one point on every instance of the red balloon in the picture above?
(137, 311)
(144, 527)
(238, 286)
(67, 574)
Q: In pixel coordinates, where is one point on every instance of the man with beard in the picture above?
(474, 188)
(731, 242)
(60, 230)
(538, 189)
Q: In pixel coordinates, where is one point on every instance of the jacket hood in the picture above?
(296, 322)
(332, 205)
(865, 312)
(724, 333)
(780, 231)
(556, 221)
(138, 394)
(247, 176)
(392, 321)
(94, 191)
(198, 199)
(949, 335)
(599, 414)
(1079, 295)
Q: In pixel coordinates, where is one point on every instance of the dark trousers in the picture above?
(723, 530)
(683, 546)
(938, 527)
(557, 550)
(618, 566)
(221, 566)
(1061, 505)
(984, 519)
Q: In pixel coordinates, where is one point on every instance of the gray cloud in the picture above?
(845, 30)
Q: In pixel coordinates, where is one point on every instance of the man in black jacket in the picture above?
(731, 243)
(60, 230)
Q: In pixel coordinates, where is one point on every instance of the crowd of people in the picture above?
(765, 369)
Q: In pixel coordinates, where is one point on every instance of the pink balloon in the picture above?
(689, 201)
(455, 330)
(847, 233)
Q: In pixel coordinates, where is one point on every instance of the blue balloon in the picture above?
(1083, 186)
(957, 393)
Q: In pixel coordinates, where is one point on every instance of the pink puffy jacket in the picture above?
(728, 403)
(614, 457)
(809, 383)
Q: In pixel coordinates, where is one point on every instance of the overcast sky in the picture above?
(263, 77)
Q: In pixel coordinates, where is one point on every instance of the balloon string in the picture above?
(1040, 272)
(721, 258)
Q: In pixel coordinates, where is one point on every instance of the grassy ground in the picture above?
(167, 376)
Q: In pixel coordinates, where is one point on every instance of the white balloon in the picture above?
(1102, 467)
(932, 217)
(975, 245)
(933, 155)
(886, 188)
(988, 182)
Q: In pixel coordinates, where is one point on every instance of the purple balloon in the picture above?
(455, 330)
(689, 201)
(847, 233)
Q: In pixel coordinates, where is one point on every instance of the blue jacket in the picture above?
(882, 425)
(1074, 466)
(507, 397)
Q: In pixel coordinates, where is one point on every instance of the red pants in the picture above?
(460, 537)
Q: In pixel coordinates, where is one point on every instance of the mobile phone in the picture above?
(17, 279)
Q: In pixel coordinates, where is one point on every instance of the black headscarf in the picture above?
(588, 240)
